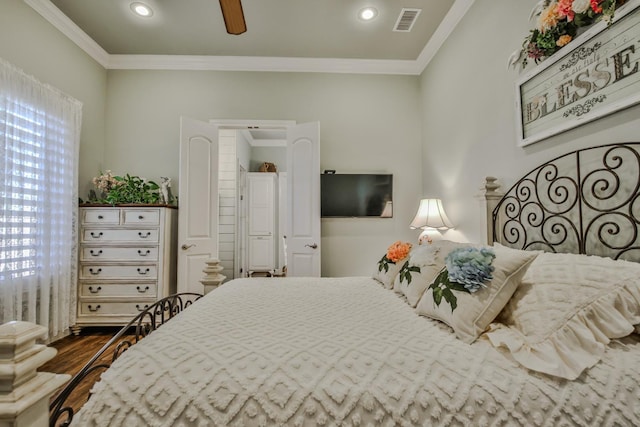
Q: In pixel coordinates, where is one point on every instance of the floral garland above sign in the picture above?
(597, 76)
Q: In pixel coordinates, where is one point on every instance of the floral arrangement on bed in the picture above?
(466, 270)
(396, 252)
(558, 24)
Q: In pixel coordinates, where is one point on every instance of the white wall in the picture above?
(32, 44)
(243, 150)
(275, 155)
(367, 123)
(468, 115)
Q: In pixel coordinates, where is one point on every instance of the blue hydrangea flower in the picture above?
(470, 267)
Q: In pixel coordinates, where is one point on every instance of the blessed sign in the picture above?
(599, 76)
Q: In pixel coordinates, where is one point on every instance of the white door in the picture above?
(261, 256)
(198, 198)
(261, 203)
(303, 198)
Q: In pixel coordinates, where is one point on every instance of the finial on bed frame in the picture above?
(24, 392)
(492, 197)
(212, 277)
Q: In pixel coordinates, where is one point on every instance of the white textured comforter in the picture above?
(341, 352)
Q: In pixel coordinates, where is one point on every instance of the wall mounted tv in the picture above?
(356, 195)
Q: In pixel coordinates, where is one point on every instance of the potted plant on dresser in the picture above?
(127, 258)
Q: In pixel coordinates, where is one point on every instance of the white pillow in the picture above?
(387, 270)
(566, 310)
(422, 267)
(473, 312)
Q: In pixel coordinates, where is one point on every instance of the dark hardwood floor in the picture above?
(73, 353)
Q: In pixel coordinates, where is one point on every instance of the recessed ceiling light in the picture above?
(368, 13)
(141, 9)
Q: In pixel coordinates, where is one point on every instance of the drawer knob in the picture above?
(95, 253)
(100, 217)
(95, 272)
(141, 253)
(142, 272)
(140, 217)
(142, 308)
(93, 309)
(144, 236)
(141, 290)
(96, 290)
(96, 235)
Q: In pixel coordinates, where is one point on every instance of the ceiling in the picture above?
(280, 33)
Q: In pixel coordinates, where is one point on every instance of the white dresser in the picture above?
(127, 261)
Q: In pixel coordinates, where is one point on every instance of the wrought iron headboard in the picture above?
(586, 202)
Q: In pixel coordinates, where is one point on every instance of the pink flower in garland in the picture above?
(595, 6)
(564, 9)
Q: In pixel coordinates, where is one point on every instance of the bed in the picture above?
(540, 335)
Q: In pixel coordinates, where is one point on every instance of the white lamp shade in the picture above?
(431, 215)
(387, 212)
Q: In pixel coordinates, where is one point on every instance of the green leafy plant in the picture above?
(131, 189)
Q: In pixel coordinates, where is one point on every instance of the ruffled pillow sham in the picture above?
(469, 304)
(391, 262)
(566, 310)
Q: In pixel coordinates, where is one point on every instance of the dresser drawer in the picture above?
(119, 235)
(142, 290)
(100, 216)
(128, 272)
(110, 308)
(140, 216)
(108, 253)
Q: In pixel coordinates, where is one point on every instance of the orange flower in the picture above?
(563, 40)
(398, 251)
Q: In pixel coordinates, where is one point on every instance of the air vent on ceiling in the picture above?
(406, 20)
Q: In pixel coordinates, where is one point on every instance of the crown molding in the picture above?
(67, 27)
(444, 30)
(252, 63)
(260, 63)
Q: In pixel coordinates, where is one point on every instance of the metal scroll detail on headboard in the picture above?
(583, 202)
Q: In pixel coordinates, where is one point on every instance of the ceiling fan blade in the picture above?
(233, 16)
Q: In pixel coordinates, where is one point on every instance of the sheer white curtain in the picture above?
(39, 146)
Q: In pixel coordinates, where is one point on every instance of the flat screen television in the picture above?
(356, 195)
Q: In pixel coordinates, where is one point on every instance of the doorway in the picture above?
(244, 146)
(301, 143)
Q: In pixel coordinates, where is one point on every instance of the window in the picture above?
(39, 138)
(18, 220)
